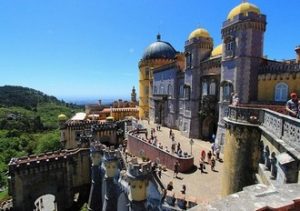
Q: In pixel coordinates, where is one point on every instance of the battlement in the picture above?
(90, 124)
(138, 170)
(33, 161)
(96, 147)
(111, 154)
(270, 66)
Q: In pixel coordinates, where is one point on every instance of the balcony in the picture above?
(280, 127)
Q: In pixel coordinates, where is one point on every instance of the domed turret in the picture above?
(243, 8)
(62, 117)
(217, 51)
(159, 50)
(200, 32)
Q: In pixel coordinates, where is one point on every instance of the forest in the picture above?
(28, 124)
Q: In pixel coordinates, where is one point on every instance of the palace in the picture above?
(191, 90)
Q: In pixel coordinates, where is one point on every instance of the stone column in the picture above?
(241, 157)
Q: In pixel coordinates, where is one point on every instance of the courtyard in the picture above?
(206, 187)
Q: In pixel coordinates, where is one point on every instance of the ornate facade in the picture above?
(194, 96)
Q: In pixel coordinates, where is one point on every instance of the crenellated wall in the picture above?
(60, 173)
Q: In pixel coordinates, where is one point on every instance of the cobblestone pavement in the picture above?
(206, 187)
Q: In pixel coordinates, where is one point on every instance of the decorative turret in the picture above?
(96, 153)
(138, 178)
(111, 186)
(133, 95)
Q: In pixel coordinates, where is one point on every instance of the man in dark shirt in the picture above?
(292, 105)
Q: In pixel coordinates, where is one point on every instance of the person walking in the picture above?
(178, 147)
(201, 166)
(213, 163)
(176, 169)
(170, 133)
(209, 155)
(203, 155)
(170, 186)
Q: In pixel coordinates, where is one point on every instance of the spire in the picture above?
(158, 37)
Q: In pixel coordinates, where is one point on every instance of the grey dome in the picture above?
(159, 50)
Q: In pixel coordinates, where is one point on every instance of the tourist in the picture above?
(178, 147)
(203, 155)
(176, 169)
(213, 138)
(166, 149)
(209, 155)
(201, 166)
(173, 146)
(218, 153)
(159, 172)
(292, 105)
(183, 190)
(170, 186)
(170, 133)
(235, 100)
(213, 163)
(160, 146)
(179, 153)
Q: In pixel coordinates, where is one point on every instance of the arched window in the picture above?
(227, 89)
(212, 88)
(204, 88)
(281, 91)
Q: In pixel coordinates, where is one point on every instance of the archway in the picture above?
(45, 202)
(208, 127)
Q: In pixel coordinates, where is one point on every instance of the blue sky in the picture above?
(91, 48)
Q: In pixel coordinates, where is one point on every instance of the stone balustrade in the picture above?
(282, 127)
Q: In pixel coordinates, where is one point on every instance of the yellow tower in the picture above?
(157, 54)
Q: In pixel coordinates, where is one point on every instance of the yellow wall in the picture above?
(241, 155)
(146, 81)
(267, 84)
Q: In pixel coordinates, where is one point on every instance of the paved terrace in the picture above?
(206, 187)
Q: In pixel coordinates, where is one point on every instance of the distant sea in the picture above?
(84, 101)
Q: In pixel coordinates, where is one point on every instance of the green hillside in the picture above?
(28, 123)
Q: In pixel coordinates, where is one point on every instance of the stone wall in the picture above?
(138, 147)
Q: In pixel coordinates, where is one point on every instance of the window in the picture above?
(181, 91)
(155, 90)
(227, 89)
(281, 91)
(187, 92)
(212, 88)
(188, 59)
(162, 89)
(170, 90)
(204, 88)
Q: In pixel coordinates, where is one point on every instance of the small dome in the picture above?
(159, 50)
(62, 117)
(217, 51)
(200, 32)
(243, 8)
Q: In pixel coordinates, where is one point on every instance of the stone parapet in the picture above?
(139, 147)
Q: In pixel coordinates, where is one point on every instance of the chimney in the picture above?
(297, 49)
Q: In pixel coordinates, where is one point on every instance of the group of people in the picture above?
(293, 106)
(212, 156)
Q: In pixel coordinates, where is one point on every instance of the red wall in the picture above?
(135, 145)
